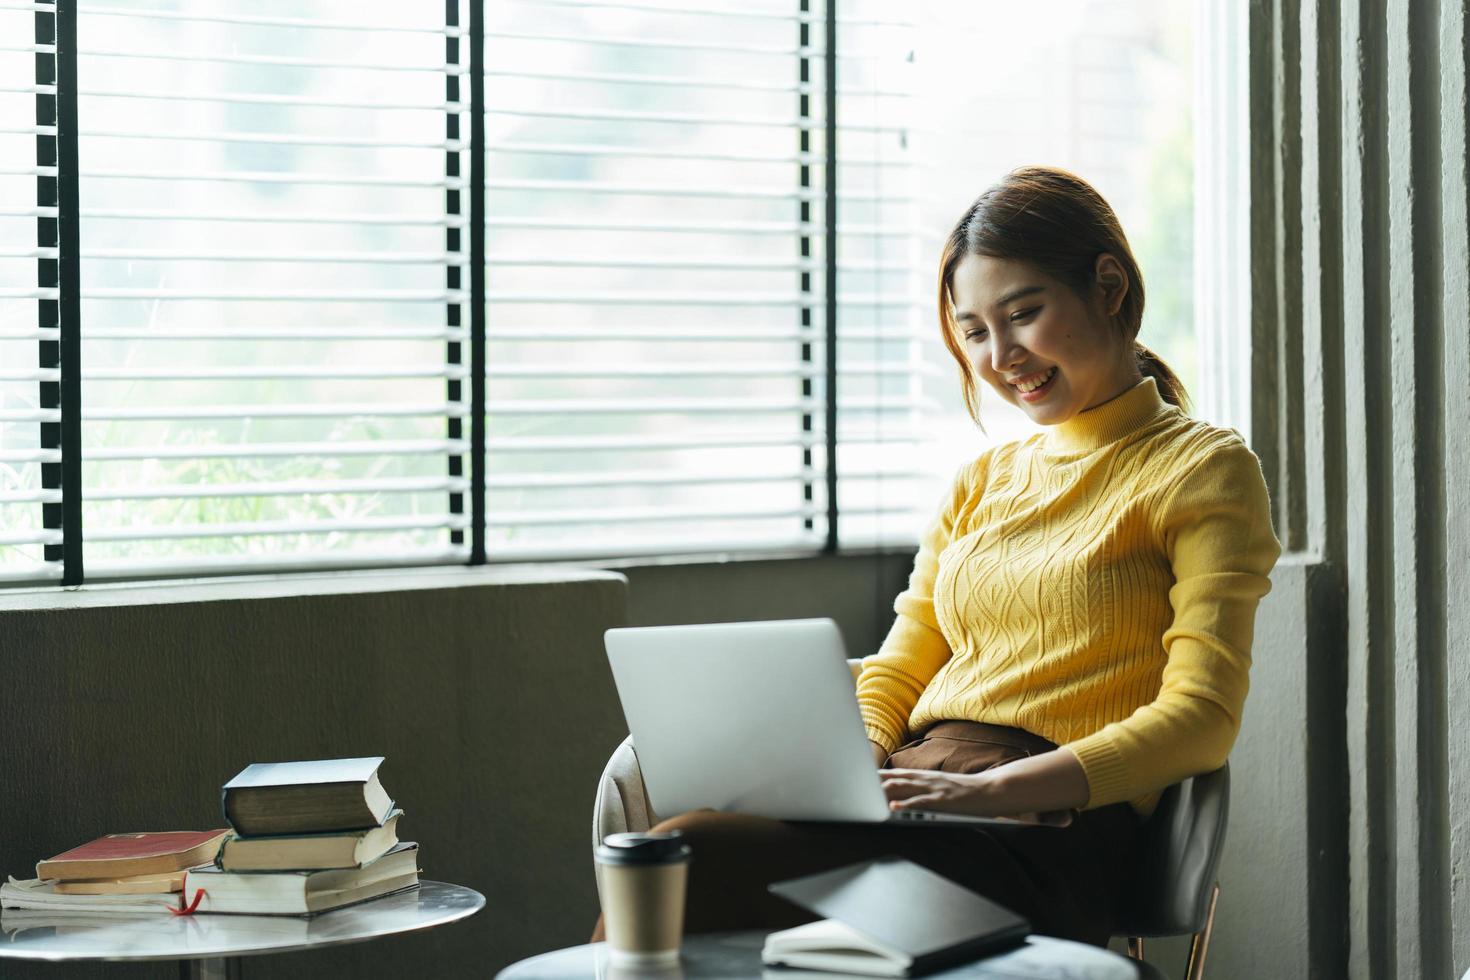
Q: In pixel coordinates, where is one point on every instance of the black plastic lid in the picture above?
(646, 848)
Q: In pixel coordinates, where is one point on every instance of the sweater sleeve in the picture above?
(915, 649)
(1215, 527)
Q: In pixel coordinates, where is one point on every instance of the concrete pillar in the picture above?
(1360, 410)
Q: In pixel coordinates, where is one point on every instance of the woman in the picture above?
(1076, 631)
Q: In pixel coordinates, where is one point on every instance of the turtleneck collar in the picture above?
(1108, 422)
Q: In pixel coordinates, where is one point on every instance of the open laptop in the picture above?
(757, 718)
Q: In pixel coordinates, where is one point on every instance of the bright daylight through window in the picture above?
(275, 297)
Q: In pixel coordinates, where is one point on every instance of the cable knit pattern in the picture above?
(1095, 584)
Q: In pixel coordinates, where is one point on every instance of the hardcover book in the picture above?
(129, 855)
(346, 849)
(301, 892)
(269, 798)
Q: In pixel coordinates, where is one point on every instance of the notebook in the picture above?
(890, 917)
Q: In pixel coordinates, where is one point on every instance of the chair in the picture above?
(1175, 889)
(1173, 893)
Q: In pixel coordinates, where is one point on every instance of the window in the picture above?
(274, 283)
(656, 229)
(272, 288)
(275, 303)
(272, 293)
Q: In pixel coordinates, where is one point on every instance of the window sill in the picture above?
(402, 579)
(275, 586)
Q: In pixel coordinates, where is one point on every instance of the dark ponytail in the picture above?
(1057, 222)
(1171, 389)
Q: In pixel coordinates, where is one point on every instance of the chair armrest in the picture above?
(1179, 858)
(622, 799)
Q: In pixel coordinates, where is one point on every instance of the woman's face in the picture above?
(1038, 343)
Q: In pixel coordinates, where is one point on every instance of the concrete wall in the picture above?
(1360, 382)
(487, 691)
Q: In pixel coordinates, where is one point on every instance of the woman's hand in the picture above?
(1030, 788)
(949, 792)
(880, 754)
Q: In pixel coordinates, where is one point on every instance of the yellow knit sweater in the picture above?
(1095, 584)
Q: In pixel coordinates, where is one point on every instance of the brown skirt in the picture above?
(1066, 881)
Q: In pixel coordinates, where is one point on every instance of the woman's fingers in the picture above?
(915, 775)
(904, 780)
(929, 789)
(903, 793)
(920, 788)
(900, 789)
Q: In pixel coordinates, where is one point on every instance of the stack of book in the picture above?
(116, 873)
(308, 837)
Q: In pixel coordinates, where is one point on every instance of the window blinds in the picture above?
(273, 286)
(656, 237)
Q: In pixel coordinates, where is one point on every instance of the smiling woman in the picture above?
(1076, 632)
(1037, 283)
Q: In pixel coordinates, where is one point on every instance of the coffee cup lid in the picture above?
(644, 848)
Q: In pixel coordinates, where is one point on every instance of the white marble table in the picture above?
(738, 954)
(211, 945)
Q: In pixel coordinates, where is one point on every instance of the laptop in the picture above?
(758, 718)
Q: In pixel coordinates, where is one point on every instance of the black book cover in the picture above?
(910, 908)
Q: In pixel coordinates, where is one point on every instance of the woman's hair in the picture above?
(1055, 221)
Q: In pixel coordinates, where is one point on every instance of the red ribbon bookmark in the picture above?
(192, 906)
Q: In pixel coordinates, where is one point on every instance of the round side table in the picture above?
(738, 954)
(211, 945)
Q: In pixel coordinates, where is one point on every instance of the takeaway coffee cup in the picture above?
(642, 878)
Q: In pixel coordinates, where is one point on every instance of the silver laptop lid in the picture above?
(750, 717)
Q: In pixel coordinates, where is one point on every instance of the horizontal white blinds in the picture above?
(656, 299)
(886, 473)
(273, 286)
(30, 417)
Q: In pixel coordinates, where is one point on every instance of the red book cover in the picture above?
(122, 855)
